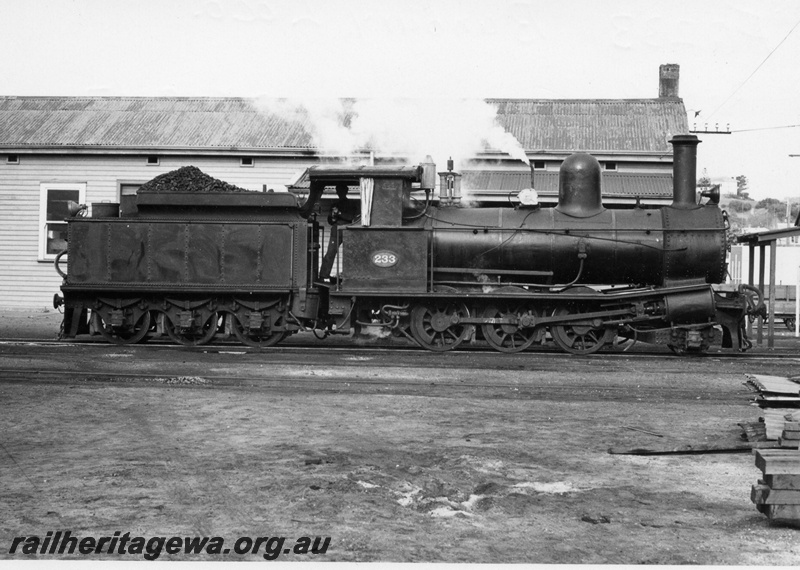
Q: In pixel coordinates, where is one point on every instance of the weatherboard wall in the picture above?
(26, 281)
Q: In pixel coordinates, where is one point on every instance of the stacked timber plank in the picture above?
(777, 396)
(777, 494)
(790, 437)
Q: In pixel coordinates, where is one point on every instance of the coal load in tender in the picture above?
(188, 179)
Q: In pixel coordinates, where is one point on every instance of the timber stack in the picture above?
(777, 494)
(776, 396)
(790, 436)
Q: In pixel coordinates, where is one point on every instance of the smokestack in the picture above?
(668, 75)
(684, 171)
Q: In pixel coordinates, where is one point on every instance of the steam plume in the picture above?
(412, 128)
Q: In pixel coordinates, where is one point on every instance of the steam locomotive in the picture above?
(192, 265)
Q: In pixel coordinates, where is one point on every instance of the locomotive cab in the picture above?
(378, 250)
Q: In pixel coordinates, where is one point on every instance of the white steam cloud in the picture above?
(412, 128)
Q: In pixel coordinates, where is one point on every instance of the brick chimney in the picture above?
(668, 75)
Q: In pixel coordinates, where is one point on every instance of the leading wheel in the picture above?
(435, 326)
(509, 337)
(125, 335)
(195, 336)
(577, 338)
(257, 339)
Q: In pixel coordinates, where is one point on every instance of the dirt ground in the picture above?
(398, 457)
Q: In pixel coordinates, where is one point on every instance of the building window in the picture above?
(127, 197)
(53, 209)
(247, 161)
(12, 159)
(538, 165)
(153, 161)
(610, 165)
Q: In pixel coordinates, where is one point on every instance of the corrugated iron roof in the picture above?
(146, 123)
(613, 184)
(593, 125)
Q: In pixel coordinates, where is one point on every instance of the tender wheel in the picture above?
(578, 338)
(789, 322)
(125, 335)
(255, 339)
(195, 336)
(433, 326)
(506, 337)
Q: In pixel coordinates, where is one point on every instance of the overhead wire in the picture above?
(755, 70)
(765, 129)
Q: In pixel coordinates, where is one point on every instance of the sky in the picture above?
(738, 58)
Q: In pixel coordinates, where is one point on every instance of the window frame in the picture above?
(120, 185)
(44, 189)
(126, 182)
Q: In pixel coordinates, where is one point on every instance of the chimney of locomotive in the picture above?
(668, 76)
(684, 171)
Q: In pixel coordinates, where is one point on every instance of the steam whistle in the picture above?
(712, 194)
(449, 186)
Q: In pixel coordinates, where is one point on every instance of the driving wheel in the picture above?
(509, 337)
(577, 338)
(435, 326)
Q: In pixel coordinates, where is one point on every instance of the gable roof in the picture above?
(180, 123)
(145, 122)
(593, 125)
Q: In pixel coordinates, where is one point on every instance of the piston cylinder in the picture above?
(690, 307)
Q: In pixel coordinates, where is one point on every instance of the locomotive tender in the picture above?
(199, 263)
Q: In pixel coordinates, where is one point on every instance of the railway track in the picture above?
(647, 376)
(640, 351)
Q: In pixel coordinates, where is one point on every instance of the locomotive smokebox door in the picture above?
(377, 260)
